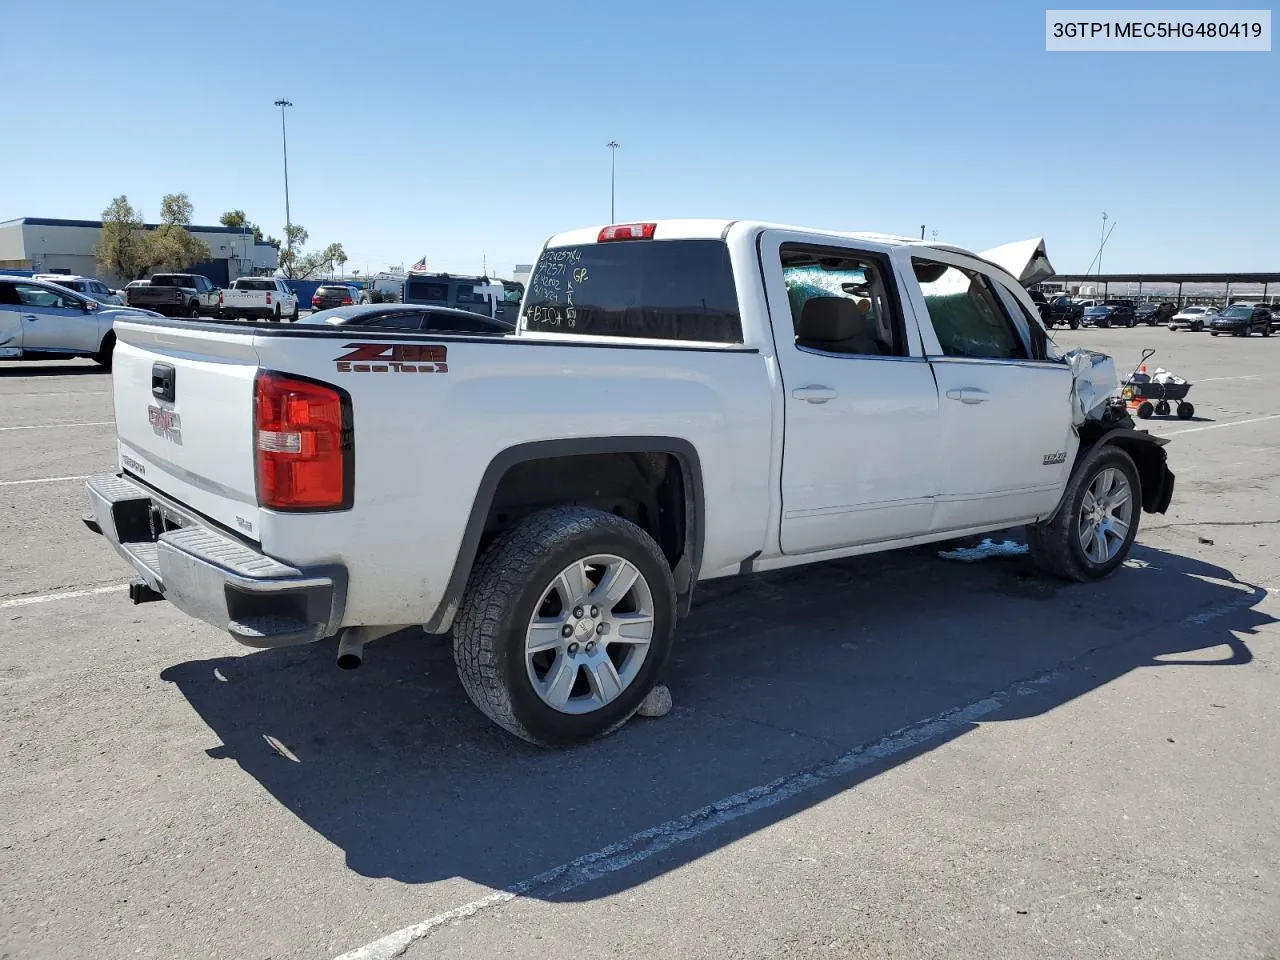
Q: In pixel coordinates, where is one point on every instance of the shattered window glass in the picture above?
(966, 315)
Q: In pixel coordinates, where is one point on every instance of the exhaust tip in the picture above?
(350, 650)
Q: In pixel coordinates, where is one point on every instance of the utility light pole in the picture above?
(613, 146)
(284, 139)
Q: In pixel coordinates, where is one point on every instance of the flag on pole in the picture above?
(421, 264)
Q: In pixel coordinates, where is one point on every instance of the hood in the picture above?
(1025, 259)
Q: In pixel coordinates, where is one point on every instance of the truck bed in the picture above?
(430, 414)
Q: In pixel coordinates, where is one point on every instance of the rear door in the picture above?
(55, 320)
(1006, 440)
(861, 407)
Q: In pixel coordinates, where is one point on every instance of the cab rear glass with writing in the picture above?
(654, 289)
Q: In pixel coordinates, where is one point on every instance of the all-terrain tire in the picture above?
(501, 596)
(103, 357)
(1055, 544)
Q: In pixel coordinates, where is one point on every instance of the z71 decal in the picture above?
(393, 358)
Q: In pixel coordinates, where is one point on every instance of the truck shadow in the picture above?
(771, 675)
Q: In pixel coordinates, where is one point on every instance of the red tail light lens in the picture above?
(268, 298)
(219, 298)
(627, 231)
(346, 300)
(304, 442)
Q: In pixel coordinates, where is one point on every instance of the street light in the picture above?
(284, 139)
(613, 168)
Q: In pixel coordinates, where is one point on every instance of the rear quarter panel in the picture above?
(423, 441)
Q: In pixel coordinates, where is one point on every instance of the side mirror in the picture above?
(88, 306)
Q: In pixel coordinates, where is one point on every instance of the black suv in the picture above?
(1242, 319)
(1153, 313)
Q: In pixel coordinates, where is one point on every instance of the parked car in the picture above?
(258, 298)
(551, 498)
(1042, 305)
(1111, 313)
(177, 295)
(1275, 316)
(90, 287)
(40, 320)
(411, 317)
(337, 295)
(1152, 313)
(1242, 319)
(1192, 318)
(131, 285)
(1064, 310)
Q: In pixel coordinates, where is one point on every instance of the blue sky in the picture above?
(460, 131)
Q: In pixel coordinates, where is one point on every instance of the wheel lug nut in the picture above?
(577, 612)
(595, 611)
(602, 628)
(573, 648)
(566, 631)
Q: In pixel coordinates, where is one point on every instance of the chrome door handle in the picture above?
(968, 395)
(814, 393)
(31, 319)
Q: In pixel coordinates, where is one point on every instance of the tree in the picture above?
(291, 259)
(176, 209)
(122, 246)
(171, 246)
(238, 220)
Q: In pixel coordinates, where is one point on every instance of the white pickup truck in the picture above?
(258, 298)
(681, 401)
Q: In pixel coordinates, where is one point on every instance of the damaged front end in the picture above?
(1099, 416)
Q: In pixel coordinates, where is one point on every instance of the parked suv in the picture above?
(90, 287)
(331, 295)
(1242, 319)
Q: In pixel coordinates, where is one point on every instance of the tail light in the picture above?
(219, 298)
(304, 442)
(627, 231)
(346, 300)
(268, 298)
(315, 300)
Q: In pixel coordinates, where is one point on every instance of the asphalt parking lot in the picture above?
(894, 756)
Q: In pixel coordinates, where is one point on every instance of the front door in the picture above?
(11, 322)
(55, 321)
(861, 409)
(1007, 441)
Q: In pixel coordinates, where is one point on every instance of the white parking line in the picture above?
(1248, 376)
(1219, 426)
(649, 843)
(68, 595)
(18, 483)
(56, 426)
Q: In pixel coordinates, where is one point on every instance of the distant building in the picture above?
(46, 246)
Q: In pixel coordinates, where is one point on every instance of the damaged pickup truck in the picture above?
(682, 400)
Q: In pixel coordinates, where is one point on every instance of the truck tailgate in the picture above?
(184, 415)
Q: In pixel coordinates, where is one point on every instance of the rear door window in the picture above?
(657, 289)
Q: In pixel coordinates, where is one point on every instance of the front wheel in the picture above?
(103, 357)
(1074, 324)
(294, 318)
(566, 622)
(1093, 531)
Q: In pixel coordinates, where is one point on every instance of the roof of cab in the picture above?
(714, 229)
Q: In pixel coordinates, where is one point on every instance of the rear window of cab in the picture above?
(653, 289)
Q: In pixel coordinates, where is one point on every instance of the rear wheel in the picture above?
(1094, 530)
(1145, 410)
(275, 317)
(566, 622)
(1186, 410)
(295, 313)
(193, 311)
(103, 356)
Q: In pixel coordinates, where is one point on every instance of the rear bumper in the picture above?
(210, 575)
